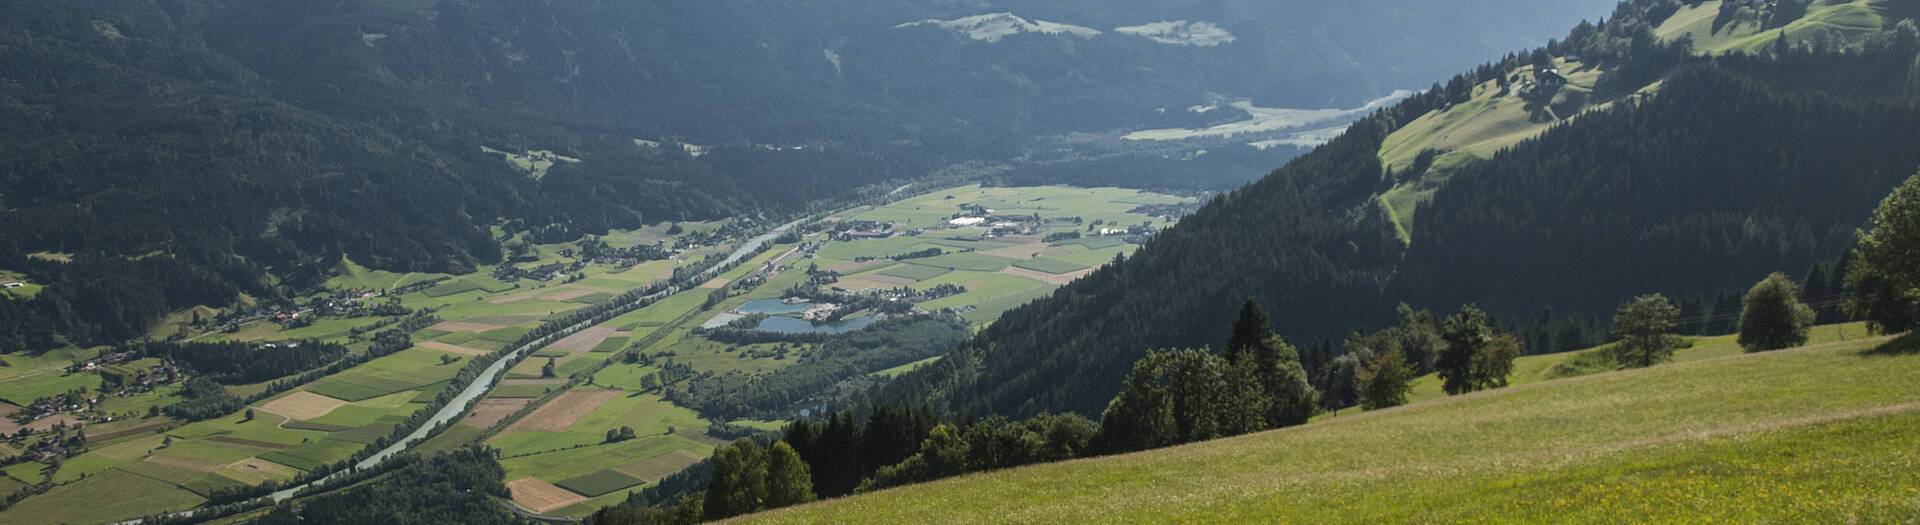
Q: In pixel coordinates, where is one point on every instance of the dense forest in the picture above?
(814, 381)
(450, 487)
(238, 363)
(1700, 188)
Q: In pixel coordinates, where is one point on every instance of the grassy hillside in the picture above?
(1495, 119)
(1745, 29)
(1547, 367)
(1821, 433)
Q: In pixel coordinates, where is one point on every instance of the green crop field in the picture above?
(405, 370)
(208, 482)
(453, 287)
(978, 262)
(648, 414)
(877, 248)
(611, 344)
(506, 335)
(1815, 434)
(981, 287)
(1094, 243)
(566, 464)
(133, 496)
(520, 390)
(991, 309)
(598, 483)
(623, 376)
(914, 271)
(1050, 265)
(314, 454)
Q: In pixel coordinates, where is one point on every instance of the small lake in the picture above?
(789, 325)
(773, 307)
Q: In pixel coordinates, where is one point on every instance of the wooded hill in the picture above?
(1736, 166)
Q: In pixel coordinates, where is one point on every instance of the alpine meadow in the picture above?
(652, 262)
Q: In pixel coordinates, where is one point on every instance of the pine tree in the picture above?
(1644, 325)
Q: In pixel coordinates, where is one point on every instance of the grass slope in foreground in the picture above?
(1816, 434)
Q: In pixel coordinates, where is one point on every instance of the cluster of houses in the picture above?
(353, 303)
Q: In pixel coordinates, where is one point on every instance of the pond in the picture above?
(789, 325)
(773, 307)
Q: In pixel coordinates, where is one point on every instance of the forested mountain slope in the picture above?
(1737, 166)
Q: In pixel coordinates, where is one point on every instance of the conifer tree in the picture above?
(1644, 325)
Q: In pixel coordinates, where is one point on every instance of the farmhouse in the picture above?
(16, 285)
(1549, 78)
(968, 221)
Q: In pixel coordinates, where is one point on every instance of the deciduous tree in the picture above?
(1885, 275)
(1774, 317)
(1384, 381)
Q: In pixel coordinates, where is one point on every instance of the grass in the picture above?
(1851, 21)
(1050, 265)
(1094, 243)
(133, 495)
(1817, 434)
(599, 483)
(981, 287)
(914, 271)
(405, 370)
(23, 389)
(1094, 257)
(453, 287)
(313, 455)
(553, 467)
(521, 390)
(348, 274)
(623, 376)
(902, 369)
(611, 344)
(453, 437)
(989, 310)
